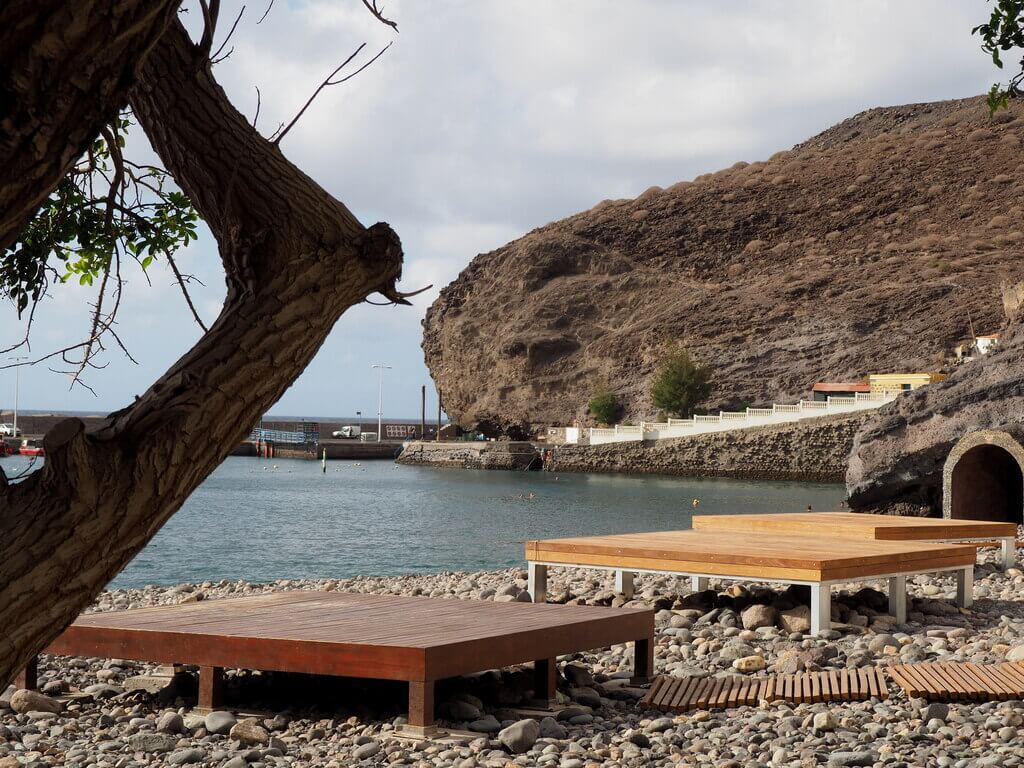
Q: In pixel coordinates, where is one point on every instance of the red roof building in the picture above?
(824, 389)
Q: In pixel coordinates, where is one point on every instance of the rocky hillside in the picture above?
(868, 248)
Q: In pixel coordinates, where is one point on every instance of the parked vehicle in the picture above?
(368, 437)
(347, 433)
(9, 430)
(31, 448)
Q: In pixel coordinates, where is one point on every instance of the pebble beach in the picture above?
(107, 713)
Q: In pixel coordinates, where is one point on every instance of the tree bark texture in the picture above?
(294, 257)
(66, 67)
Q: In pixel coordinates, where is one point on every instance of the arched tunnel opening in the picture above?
(987, 484)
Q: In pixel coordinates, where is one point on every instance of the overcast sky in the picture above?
(486, 119)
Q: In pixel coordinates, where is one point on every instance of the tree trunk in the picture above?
(66, 67)
(294, 258)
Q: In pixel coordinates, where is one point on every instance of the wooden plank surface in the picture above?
(379, 636)
(804, 558)
(960, 681)
(684, 694)
(856, 525)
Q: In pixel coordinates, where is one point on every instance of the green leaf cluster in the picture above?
(604, 406)
(1003, 32)
(99, 211)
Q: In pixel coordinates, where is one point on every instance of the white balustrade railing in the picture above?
(727, 420)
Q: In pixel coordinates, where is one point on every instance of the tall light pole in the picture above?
(380, 397)
(17, 387)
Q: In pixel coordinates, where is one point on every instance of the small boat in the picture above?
(31, 448)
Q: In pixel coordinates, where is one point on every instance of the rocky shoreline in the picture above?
(108, 714)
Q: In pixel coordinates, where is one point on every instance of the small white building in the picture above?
(985, 344)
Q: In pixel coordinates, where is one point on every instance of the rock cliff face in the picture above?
(869, 248)
(898, 455)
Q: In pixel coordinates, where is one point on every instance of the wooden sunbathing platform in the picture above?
(854, 525)
(417, 639)
(816, 561)
(684, 694)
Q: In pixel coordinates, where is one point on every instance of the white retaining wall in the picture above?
(726, 420)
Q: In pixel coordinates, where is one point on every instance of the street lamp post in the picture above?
(17, 388)
(380, 397)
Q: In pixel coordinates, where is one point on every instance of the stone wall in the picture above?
(814, 450)
(471, 455)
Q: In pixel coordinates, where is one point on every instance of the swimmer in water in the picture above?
(696, 503)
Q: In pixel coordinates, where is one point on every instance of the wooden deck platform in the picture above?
(417, 639)
(854, 525)
(817, 561)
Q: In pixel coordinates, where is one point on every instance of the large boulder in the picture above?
(520, 736)
(24, 700)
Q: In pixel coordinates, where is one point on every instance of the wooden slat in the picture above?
(661, 689)
(1014, 672)
(968, 691)
(955, 689)
(976, 683)
(835, 691)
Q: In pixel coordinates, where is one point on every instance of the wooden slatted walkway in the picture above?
(683, 694)
(960, 681)
(417, 639)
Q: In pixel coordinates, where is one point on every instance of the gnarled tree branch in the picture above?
(295, 258)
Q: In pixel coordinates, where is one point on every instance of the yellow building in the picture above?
(883, 383)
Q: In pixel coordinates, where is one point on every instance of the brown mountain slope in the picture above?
(861, 250)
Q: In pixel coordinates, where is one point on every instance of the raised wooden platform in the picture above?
(853, 525)
(417, 639)
(817, 561)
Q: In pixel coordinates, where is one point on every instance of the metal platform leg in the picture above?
(1008, 547)
(898, 598)
(537, 582)
(821, 607)
(965, 586)
(698, 583)
(624, 583)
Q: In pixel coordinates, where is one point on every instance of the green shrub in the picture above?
(680, 384)
(604, 407)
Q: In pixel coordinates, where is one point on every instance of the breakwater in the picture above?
(472, 455)
(809, 451)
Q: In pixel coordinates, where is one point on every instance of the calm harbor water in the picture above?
(262, 520)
